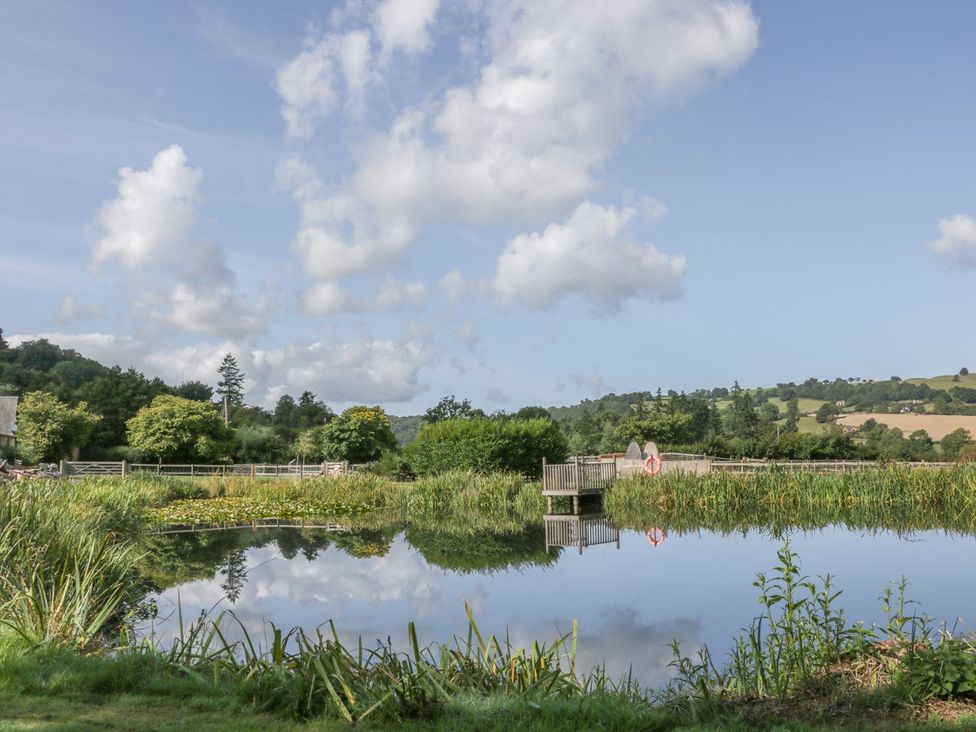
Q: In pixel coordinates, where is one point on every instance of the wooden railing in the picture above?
(579, 531)
(73, 469)
(816, 466)
(577, 478)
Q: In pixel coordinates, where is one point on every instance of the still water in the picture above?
(631, 600)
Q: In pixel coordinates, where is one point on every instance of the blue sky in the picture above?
(515, 202)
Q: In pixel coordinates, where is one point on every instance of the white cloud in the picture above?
(155, 210)
(405, 24)
(329, 298)
(148, 224)
(593, 255)
(496, 395)
(529, 135)
(957, 245)
(365, 371)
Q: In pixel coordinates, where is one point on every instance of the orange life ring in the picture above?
(652, 465)
(656, 536)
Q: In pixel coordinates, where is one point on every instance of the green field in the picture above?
(946, 382)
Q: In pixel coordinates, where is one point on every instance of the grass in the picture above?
(946, 382)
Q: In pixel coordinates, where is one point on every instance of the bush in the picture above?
(487, 445)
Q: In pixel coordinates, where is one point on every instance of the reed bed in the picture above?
(62, 579)
(885, 497)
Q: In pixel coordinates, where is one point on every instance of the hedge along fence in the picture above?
(487, 445)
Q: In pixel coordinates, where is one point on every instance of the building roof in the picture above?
(8, 416)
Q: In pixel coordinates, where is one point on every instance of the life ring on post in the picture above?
(652, 464)
(656, 536)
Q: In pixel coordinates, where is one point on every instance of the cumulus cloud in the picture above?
(155, 210)
(405, 24)
(149, 223)
(592, 383)
(956, 246)
(337, 69)
(593, 254)
(527, 137)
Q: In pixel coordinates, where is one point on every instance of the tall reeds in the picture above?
(310, 674)
(62, 579)
(883, 497)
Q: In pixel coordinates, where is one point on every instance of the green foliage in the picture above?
(48, 429)
(451, 408)
(195, 390)
(117, 395)
(360, 435)
(670, 429)
(487, 445)
(946, 670)
(953, 443)
(231, 384)
(174, 429)
(258, 444)
(61, 581)
(826, 412)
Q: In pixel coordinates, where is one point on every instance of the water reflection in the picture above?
(631, 600)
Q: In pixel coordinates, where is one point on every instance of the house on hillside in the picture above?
(8, 423)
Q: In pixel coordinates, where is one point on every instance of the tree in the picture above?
(48, 429)
(360, 435)
(284, 411)
(451, 408)
(962, 372)
(741, 419)
(231, 384)
(173, 428)
(953, 443)
(195, 390)
(826, 411)
(532, 413)
(792, 416)
(311, 411)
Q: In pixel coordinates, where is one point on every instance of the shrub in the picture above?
(487, 445)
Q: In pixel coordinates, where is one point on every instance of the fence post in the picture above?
(254, 468)
(125, 467)
(191, 470)
(63, 467)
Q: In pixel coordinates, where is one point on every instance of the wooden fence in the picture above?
(815, 466)
(78, 469)
(577, 478)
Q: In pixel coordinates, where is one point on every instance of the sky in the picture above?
(516, 202)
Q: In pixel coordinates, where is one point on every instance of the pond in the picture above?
(630, 597)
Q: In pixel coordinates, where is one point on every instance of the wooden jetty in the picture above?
(581, 477)
(579, 531)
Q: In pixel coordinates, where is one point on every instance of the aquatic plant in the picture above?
(61, 579)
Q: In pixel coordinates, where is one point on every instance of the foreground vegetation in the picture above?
(73, 570)
(69, 581)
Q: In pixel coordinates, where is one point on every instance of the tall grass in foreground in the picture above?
(892, 497)
(61, 579)
(313, 674)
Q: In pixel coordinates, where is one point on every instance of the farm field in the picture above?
(937, 425)
(946, 382)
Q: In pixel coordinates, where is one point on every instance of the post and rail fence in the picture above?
(81, 469)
